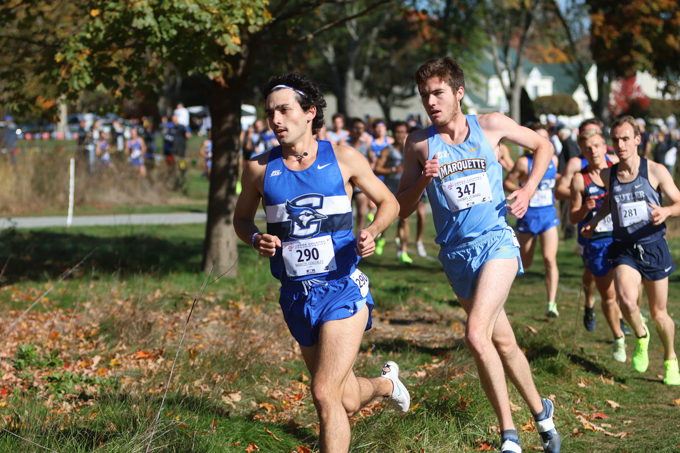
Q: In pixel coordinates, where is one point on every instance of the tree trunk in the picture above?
(601, 105)
(219, 248)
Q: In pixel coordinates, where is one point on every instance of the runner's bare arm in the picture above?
(558, 176)
(660, 213)
(355, 167)
(562, 191)
(252, 186)
(142, 145)
(518, 173)
(577, 209)
(204, 146)
(496, 127)
(380, 168)
(418, 173)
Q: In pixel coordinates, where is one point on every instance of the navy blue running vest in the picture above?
(310, 212)
(592, 189)
(623, 198)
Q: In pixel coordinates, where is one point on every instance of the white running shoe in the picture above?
(620, 349)
(400, 398)
(421, 249)
(510, 446)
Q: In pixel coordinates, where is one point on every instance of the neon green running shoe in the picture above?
(620, 349)
(370, 216)
(551, 311)
(640, 357)
(379, 246)
(405, 259)
(239, 188)
(672, 372)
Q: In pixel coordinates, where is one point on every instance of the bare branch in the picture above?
(326, 27)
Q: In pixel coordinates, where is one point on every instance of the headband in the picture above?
(279, 87)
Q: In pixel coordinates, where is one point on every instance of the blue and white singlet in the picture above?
(544, 196)
(467, 197)
(310, 212)
(630, 208)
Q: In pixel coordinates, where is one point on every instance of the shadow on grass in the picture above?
(36, 255)
(401, 346)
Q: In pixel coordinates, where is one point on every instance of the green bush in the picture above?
(558, 104)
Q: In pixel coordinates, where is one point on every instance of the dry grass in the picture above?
(41, 181)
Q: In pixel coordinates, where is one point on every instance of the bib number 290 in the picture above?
(307, 254)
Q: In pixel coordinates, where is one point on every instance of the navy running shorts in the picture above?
(653, 261)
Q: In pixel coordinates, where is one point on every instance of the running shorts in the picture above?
(306, 312)
(538, 221)
(462, 263)
(594, 256)
(653, 261)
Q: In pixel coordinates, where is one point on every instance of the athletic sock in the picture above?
(543, 414)
(644, 336)
(618, 338)
(509, 434)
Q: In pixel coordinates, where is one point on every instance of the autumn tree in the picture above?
(511, 25)
(120, 47)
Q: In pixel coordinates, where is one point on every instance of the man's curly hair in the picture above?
(312, 94)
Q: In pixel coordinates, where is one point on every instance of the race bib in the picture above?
(605, 225)
(361, 281)
(309, 256)
(543, 195)
(463, 193)
(632, 213)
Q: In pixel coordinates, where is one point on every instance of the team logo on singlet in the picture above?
(447, 170)
(305, 220)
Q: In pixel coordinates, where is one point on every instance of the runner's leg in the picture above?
(336, 391)
(626, 282)
(527, 244)
(610, 308)
(484, 310)
(549, 241)
(657, 292)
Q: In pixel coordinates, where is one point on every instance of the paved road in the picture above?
(96, 220)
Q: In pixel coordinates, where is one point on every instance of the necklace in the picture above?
(298, 157)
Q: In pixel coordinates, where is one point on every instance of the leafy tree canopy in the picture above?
(558, 104)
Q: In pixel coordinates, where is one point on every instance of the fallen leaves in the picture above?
(676, 402)
(272, 434)
(613, 404)
(252, 447)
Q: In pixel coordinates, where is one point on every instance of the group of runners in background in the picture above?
(306, 186)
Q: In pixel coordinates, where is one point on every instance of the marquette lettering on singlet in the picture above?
(468, 205)
(315, 228)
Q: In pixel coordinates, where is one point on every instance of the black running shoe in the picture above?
(624, 328)
(589, 320)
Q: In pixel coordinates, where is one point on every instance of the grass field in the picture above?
(86, 369)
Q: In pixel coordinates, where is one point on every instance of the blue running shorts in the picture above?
(462, 263)
(594, 256)
(653, 261)
(337, 299)
(537, 221)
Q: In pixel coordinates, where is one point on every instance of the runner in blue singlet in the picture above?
(540, 220)
(455, 160)
(135, 148)
(305, 186)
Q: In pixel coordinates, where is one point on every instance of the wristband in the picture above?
(252, 238)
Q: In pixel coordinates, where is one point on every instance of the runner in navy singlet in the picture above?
(640, 252)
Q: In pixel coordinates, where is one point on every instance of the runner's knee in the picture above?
(478, 343)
